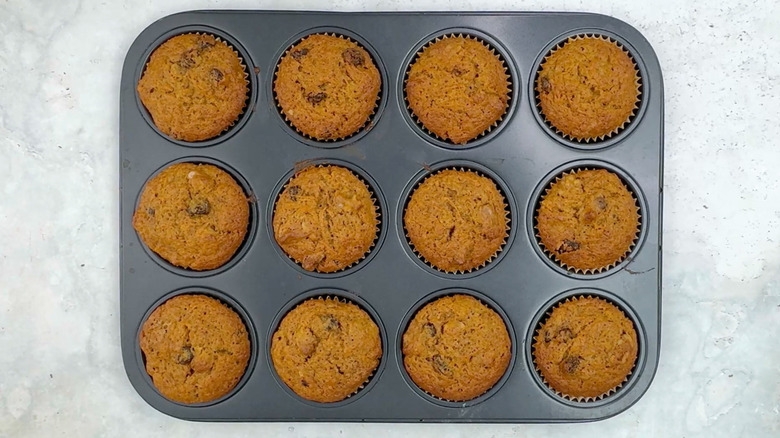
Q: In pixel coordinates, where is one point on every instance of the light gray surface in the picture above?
(60, 366)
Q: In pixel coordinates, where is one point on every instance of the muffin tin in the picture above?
(392, 154)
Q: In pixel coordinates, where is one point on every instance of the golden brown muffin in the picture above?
(194, 87)
(588, 220)
(196, 348)
(325, 218)
(456, 348)
(193, 215)
(458, 88)
(327, 86)
(589, 88)
(457, 220)
(586, 348)
(325, 350)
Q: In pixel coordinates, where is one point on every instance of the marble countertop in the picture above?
(61, 372)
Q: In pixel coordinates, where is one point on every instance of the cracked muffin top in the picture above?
(194, 87)
(326, 350)
(327, 86)
(195, 216)
(325, 218)
(457, 220)
(456, 348)
(588, 220)
(196, 348)
(586, 348)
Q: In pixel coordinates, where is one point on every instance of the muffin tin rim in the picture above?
(248, 64)
(252, 227)
(233, 305)
(366, 178)
(430, 298)
(381, 102)
(325, 292)
(628, 311)
(634, 121)
(456, 164)
(486, 38)
(588, 163)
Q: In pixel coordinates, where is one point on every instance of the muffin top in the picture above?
(586, 348)
(457, 220)
(325, 350)
(456, 348)
(325, 218)
(194, 87)
(458, 88)
(589, 88)
(588, 220)
(193, 215)
(196, 348)
(327, 86)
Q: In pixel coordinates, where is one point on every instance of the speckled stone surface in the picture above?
(61, 370)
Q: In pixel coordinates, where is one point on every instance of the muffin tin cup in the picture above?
(250, 232)
(233, 305)
(392, 155)
(619, 133)
(482, 298)
(612, 394)
(554, 177)
(379, 106)
(245, 62)
(489, 42)
(345, 297)
(509, 208)
(376, 196)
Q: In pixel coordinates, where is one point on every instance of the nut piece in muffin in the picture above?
(327, 87)
(457, 220)
(456, 348)
(586, 348)
(588, 220)
(458, 88)
(194, 87)
(196, 348)
(325, 218)
(195, 216)
(325, 350)
(589, 88)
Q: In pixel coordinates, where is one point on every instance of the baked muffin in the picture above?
(325, 218)
(458, 88)
(195, 216)
(327, 87)
(457, 220)
(196, 348)
(456, 348)
(194, 87)
(586, 348)
(325, 350)
(588, 220)
(588, 89)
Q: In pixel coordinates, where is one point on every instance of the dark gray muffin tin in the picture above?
(392, 154)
